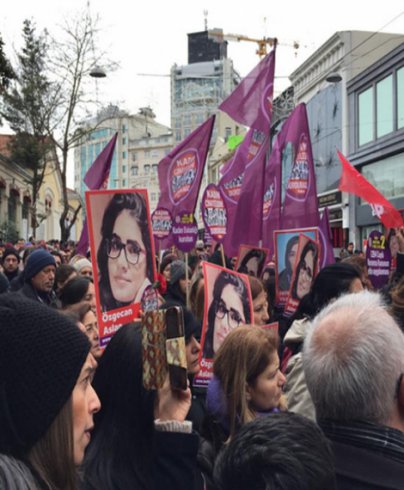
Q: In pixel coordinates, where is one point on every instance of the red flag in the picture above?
(355, 183)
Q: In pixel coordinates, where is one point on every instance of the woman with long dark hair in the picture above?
(47, 402)
(252, 263)
(229, 309)
(305, 271)
(124, 256)
(77, 291)
(127, 450)
(285, 276)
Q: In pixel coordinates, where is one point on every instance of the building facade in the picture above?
(197, 89)
(322, 82)
(145, 153)
(376, 137)
(140, 145)
(16, 200)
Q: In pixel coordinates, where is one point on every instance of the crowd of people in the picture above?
(317, 403)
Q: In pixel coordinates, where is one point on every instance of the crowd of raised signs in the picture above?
(311, 400)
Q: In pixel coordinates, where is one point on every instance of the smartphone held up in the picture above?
(164, 349)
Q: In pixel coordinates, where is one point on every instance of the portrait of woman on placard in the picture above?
(285, 275)
(253, 262)
(124, 256)
(228, 309)
(306, 271)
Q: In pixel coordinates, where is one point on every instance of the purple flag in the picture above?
(271, 213)
(97, 178)
(300, 209)
(253, 95)
(180, 173)
(83, 243)
(242, 183)
(327, 251)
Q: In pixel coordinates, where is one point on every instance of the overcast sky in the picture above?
(148, 37)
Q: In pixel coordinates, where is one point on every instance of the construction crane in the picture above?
(218, 36)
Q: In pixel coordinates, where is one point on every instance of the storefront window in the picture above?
(387, 176)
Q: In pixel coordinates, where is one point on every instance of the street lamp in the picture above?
(97, 72)
(333, 77)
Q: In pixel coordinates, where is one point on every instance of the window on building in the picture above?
(124, 169)
(25, 207)
(134, 170)
(123, 128)
(123, 182)
(387, 176)
(178, 136)
(366, 118)
(155, 167)
(147, 169)
(124, 154)
(199, 118)
(227, 133)
(400, 98)
(134, 156)
(155, 153)
(147, 154)
(124, 140)
(12, 208)
(153, 196)
(384, 106)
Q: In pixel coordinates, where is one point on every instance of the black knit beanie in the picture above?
(37, 260)
(41, 355)
(11, 251)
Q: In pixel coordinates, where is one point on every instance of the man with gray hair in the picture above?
(353, 361)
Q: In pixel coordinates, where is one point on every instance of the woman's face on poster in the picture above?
(292, 256)
(252, 266)
(305, 277)
(126, 259)
(229, 314)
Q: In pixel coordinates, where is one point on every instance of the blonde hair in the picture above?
(243, 356)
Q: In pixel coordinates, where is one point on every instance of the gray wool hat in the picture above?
(178, 271)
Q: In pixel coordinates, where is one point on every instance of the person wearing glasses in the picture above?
(124, 256)
(229, 309)
(305, 271)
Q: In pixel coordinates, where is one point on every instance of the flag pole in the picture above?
(159, 257)
(187, 279)
(223, 257)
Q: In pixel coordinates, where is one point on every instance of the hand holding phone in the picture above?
(172, 404)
